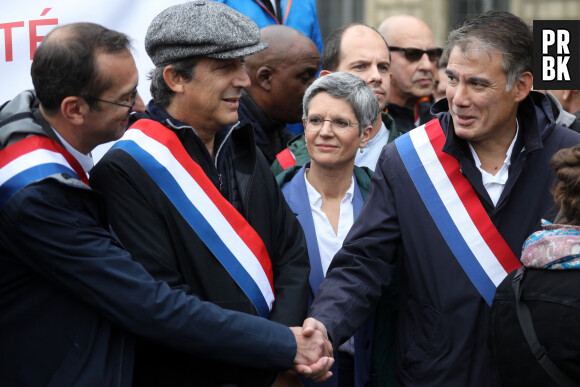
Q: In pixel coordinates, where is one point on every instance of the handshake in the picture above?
(314, 351)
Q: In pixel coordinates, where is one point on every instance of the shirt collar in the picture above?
(507, 161)
(86, 161)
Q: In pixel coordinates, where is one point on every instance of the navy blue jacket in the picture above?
(443, 325)
(72, 298)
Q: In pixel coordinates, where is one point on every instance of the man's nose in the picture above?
(139, 105)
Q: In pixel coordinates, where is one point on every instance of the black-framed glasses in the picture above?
(414, 54)
(119, 103)
(339, 125)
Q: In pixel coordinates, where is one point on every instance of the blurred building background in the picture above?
(441, 15)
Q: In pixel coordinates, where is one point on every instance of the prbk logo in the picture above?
(557, 54)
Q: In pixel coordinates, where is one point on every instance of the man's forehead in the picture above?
(473, 56)
(415, 41)
(362, 41)
(359, 35)
(475, 62)
(410, 32)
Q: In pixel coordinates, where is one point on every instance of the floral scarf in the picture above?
(557, 247)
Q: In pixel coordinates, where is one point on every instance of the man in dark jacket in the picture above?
(193, 199)
(461, 194)
(279, 76)
(71, 297)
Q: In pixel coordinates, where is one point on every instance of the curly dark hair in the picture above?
(566, 163)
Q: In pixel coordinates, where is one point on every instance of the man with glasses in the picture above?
(72, 298)
(192, 197)
(414, 66)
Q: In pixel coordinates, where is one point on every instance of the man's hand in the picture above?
(314, 351)
(311, 325)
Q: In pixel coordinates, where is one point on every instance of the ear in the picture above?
(566, 95)
(74, 109)
(523, 85)
(324, 72)
(264, 77)
(365, 136)
(173, 80)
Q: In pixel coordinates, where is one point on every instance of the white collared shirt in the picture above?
(494, 184)
(86, 161)
(328, 242)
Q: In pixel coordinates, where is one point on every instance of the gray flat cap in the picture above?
(201, 28)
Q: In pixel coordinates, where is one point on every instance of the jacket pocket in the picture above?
(421, 341)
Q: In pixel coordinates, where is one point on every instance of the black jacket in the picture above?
(160, 239)
(404, 116)
(271, 136)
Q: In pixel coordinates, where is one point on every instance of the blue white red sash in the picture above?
(222, 228)
(454, 206)
(32, 159)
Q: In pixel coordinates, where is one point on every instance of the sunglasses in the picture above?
(414, 54)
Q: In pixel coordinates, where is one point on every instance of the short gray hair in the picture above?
(499, 31)
(350, 88)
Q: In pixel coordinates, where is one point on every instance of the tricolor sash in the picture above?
(455, 208)
(32, 159)
(232, 240)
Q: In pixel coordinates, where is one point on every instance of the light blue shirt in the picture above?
(370, 155)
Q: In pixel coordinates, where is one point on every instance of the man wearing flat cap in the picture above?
(193, 199)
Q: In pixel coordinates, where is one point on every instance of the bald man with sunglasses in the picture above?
(414, 59)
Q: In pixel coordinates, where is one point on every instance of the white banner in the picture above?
(24, 23)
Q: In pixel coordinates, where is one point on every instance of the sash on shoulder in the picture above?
(455, 208)
(32, 159)
(233, 241)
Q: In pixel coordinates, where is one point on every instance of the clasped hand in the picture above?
(314, 351)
